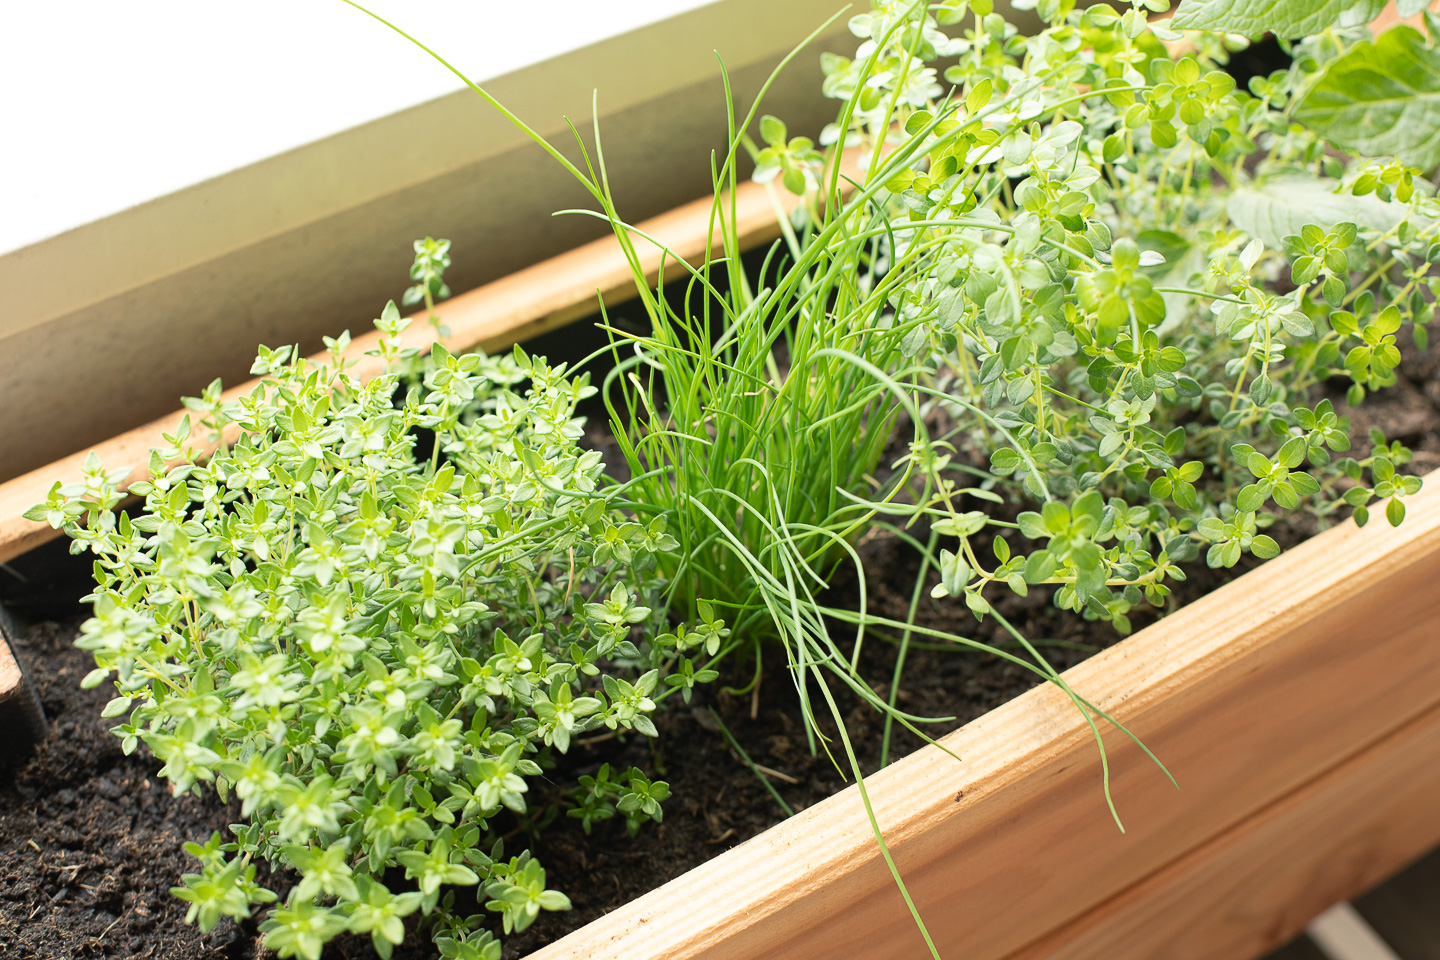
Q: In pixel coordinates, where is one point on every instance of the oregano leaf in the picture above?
(1281, 206)
(1252, 18)
(1380, 98)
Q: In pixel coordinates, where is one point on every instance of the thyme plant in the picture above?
(1132, 295)
(376, 649)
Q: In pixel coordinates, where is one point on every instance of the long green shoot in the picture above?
(754, 418)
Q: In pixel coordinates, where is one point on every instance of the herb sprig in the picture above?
(376, 649)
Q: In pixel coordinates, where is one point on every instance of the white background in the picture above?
(108, 103)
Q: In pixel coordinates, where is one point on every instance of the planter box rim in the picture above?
(1024, 805)
(814, 885)
(492, 317)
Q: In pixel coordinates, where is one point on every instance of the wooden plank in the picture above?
(22, 721)
(1248, 695)
(521, 305)
(1260, 883)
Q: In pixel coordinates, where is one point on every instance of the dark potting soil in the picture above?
(91, 841)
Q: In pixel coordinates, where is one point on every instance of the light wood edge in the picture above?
(745, 899)
(522, 305)
(1390, 17)
(10, 676)
(1256, 886)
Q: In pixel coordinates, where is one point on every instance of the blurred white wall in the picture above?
(108, 104)
(181, 180)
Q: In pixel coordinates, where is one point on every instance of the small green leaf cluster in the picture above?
(634, 796)
(432, 258)
(375, 649)
(1130, 283)
(794, 160)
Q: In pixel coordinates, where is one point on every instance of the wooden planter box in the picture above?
(1298, 707)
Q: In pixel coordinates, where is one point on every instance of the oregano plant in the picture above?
(1136, 288)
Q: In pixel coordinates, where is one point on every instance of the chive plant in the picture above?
(752, 423)
(1134, 297)
(1103, 263)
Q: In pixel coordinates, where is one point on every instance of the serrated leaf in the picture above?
(1380, 98)
(1282, 205)
(1284, 18)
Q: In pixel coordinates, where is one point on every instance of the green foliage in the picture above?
(793, 159)
(1380, 98)
(519, 893)
(637, 798)
(1284, 18)
(432, 257)
(1129, 311)
(376, 652)
(1116, 283)
(1086, 280)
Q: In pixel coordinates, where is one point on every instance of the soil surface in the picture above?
(91, 841)
(718, 802)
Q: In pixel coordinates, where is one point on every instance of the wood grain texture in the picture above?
(1257, 885)
(1248, 695)
(511, 309)
(22, 721)
(10, 676)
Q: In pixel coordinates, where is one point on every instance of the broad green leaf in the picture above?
(1284, 18)
(1182, 260)
(1280, 206)
(772, 130)
(1264, 547)
(1381, 98)
(978, 96)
